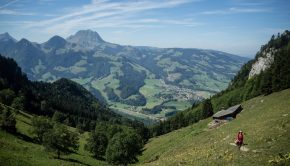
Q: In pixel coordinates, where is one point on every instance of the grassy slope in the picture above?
(265, 121)
(21, 150)
(266, 127)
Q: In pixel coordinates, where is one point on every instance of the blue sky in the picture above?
(235, 26)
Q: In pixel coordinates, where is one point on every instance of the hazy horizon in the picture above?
(234, 26)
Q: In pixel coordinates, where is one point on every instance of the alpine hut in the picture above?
(228, 113)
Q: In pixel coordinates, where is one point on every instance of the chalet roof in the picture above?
(228, 111)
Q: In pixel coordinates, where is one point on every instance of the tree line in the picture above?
(273, 79)
(187, 117)
(117, 144)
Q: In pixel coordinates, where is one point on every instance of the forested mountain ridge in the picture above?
(268, 72)
(144, 79)
(65, 100)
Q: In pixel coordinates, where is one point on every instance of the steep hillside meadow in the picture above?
(265, 121)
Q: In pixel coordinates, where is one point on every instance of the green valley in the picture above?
(127, 78)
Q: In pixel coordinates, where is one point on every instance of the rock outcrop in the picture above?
(263, 62)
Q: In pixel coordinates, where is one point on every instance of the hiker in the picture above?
(240, 139)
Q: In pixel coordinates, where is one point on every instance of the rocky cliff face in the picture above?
(87, 39)
(263, 62)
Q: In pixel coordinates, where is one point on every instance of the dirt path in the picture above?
(243, 148)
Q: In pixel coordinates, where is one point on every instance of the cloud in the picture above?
(251, 4)
(46, 2)
(235, 10)
(5, 11)
(14, 23)
(14, 12)
(106, 13)
(8, 4)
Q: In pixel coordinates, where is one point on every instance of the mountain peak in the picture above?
(56, 42)
(6, 37)
(86, 38)
(56, 38)
(24, 41)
